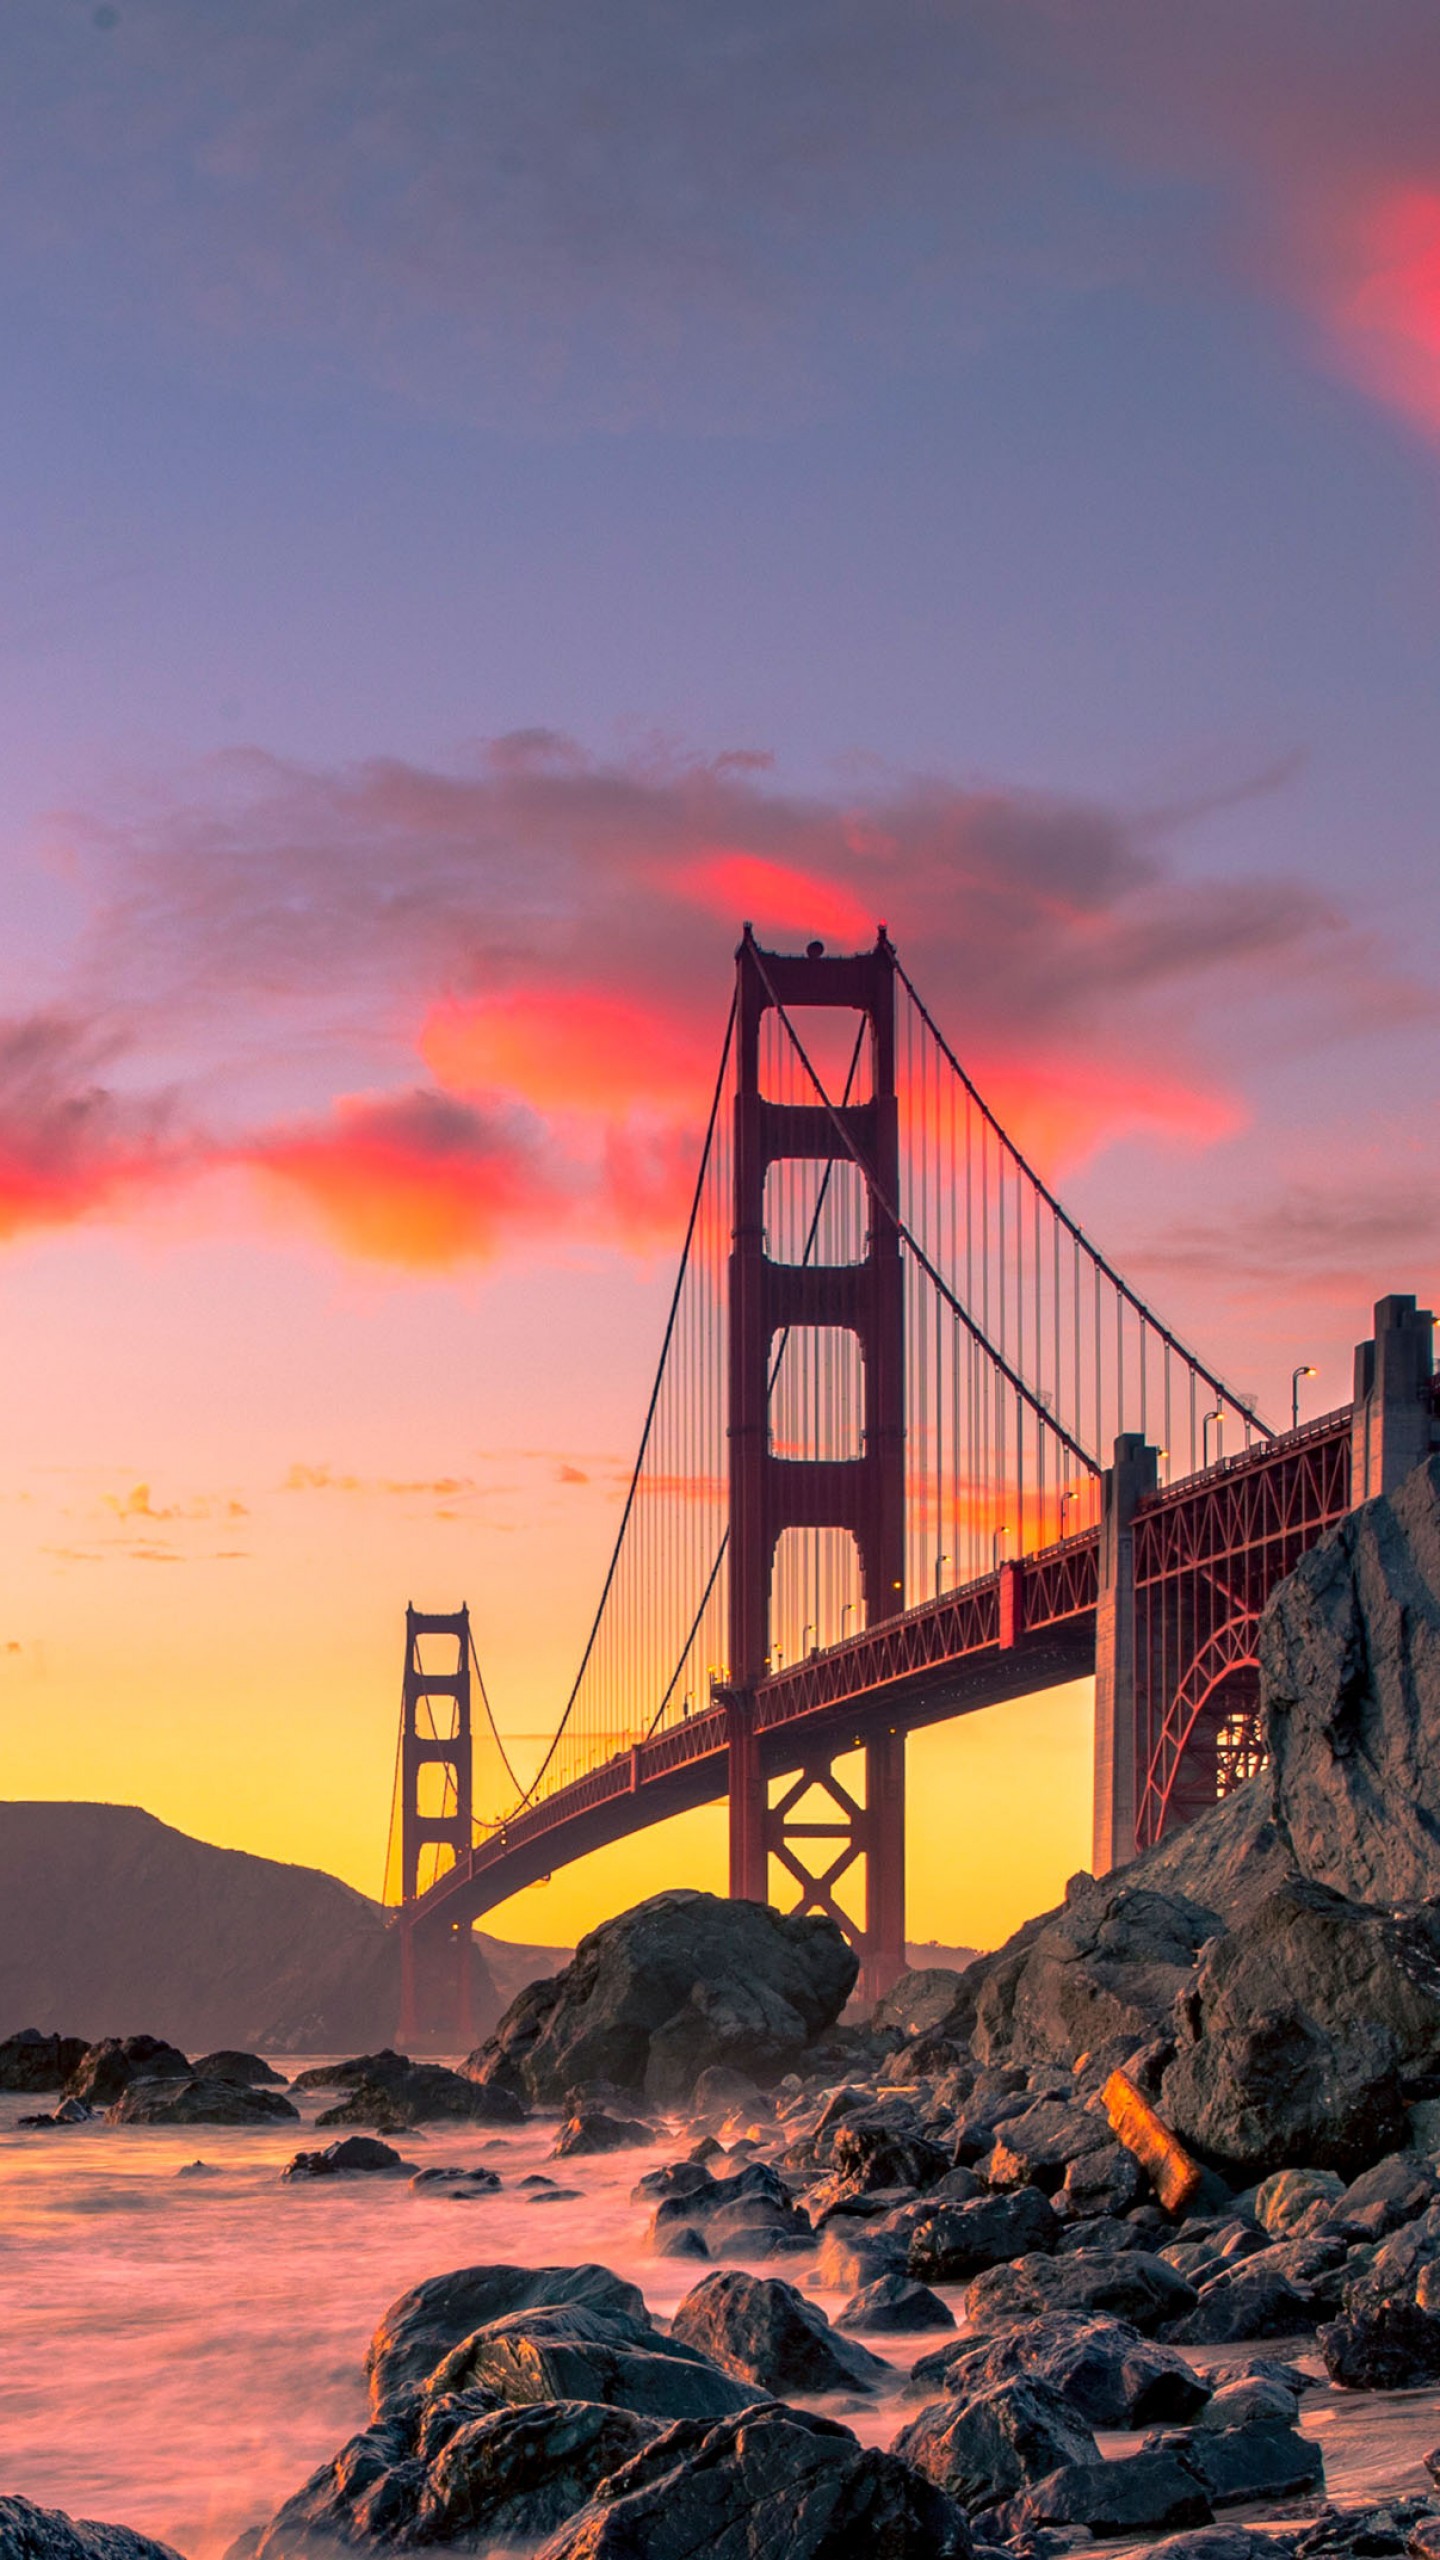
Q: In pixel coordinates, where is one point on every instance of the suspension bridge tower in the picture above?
(862, 1494)
(433, 1822)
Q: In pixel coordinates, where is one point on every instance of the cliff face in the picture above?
(113, 1924)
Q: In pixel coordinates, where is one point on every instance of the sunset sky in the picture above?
(492, 496)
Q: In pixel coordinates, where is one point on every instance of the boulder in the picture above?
(771, 2481)
(420, 2327)
(395, 2094)
(1105, 1968)
(105, 2070)
(1350, 1672)
(1108, 2180)
(592, 2130)
(1394, 2272)
(1283, 2201)
(1128, 2285)
(31, 2062)
(565, 2351)
(956, 2241)
(515, 2474)
(867, 2153)
(1252, 2399)
(28, 2532)
(1148, 2492)
(1391, 2349)
(920, 2002)
(720, 2093)
(1103, 2370)
(748, 2215)
(462, 2184)
(246, 2068)
(764, 2332)
(1257, 2460)
(172, 2101)
(1038, 2148)
(356, 2156)
(984, 2446)
(682, 1982)
(1381, 2199)
(895, 2303)
(853, 2255)
(1248, 2301)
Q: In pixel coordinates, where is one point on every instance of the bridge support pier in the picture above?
(1135, 1472)
(437, 2010)
(748, 1802)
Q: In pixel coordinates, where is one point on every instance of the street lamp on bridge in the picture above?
(1218, 1418)
(1295, 1377)
(995, 1537)
(940, 1564)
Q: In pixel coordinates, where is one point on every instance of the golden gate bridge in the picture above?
(913, 1447)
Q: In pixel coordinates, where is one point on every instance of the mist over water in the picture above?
(179, 2352)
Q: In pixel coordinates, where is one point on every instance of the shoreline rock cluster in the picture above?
(1273, 2033)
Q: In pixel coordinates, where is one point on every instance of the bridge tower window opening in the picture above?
(817, 1396)
(816, 1212)
(839, 1044)
(817, 1595)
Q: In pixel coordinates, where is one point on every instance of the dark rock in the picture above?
(764, 2332)
(28, 2532)
(1261, 2460)
(393, 2099)
(980, 2120)
(422, 2326)
(868, 2154)
(720, 2093)
(594, 2131)
(1296, 2032)
(772, 2481)
(1149, 2492)
(682, 1982)
(515, 2474)
(1394, 2192)
(69, 2111)
(1250, 2400)
(678, 2240)
(1357, 2533)
(356, 2069)
(1131, 2285)
(1214, 2542)
(895, 2302)
(1391, 2349)
(1108, 2180)
(986, 2445)
(366, 2495)
(1037, 2148)
(246, 2068)
(853, 2255)
(747, 2215)
(105, 2070)
(1104, 2370)
(463, 2183)
(1288, 2199)
(1102, 2235)
(957, 2241)
(1350, 1665)
(680, 2178)
(31, 2063)
(1394, 2272)
(564, 2351)
(920, 2002)
(172, 2101)
(1248, 2301)
(1107, 1965)
(355, 2156)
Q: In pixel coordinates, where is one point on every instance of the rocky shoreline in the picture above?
(1170, 2155)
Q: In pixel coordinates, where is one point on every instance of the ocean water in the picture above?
(179, 2351)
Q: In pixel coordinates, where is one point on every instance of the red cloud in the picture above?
(775, 896)
(416, 1178)
(69, 1145)
(568, 1048)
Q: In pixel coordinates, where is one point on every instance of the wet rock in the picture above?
(957, 2241)
(593, 2131)
(421, 2326)
(679, 2178)
(867, 2154)
(356, 2068)
(720, 2093)
(1297, 2030)
(762, 2331)
(356, 2156)
(31, 2062)
(365, 2495)
(748, 2215)
(1214, 2542)
(984, 2446)
(28, 2532)
(851, 2256)
(105, 2070)
(1391, 2349)
(515, 2474)
(895, 2303)
(1037, 2148)
(247, 2069)
(1259, 2460)
(1103, 2370)
(1149, 2492)
(682, 1982)
(772, 2481)
(1361, 2533)
(172, 2101)
(1252, 2400)
(1350, 1665)
(397, 2094)
(1395, 2271)
(462, 2183)
(69, 2111)
(1282, 2202)
(564, 2351)
(679, 2240)
(1248, 2301)
(1131, 2285)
